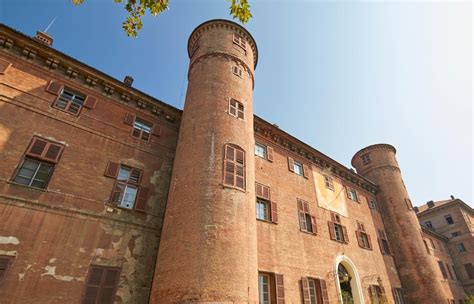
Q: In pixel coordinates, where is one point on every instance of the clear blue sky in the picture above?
(337, 75)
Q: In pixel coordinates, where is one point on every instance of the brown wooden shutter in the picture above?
(305, 290)
(347, 192)
(382, 250)
(112, 169)
(280, 289)
(90, 102)
(54, 87)
(109, 284)
(332, 232)
(92, 288)
(269, 154)
(129, 119)
(37, 147)
(258, 190)
(359, 241)
(306, 171)
(274, 210)
(4, 65)
(369, 241)
(301, 215)
(333, 217)
(313, 225)
(291, 164)
(324, 291)
(53, 152)
(344, 233)
(142, 197)
(157, 130)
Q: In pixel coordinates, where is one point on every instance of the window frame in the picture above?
(266, 204)
(307, 221)
(264, 148)
(33, 179)
(141, 131)
(461, 248)
(234, 162)
(328, 182)
(240, 41)
(101, 286)
(429, 224)
(352, 194)
(337, 231)
(236, 109)
(9, 261)
(398, 295)
(363, 238)
(449, 219)
(383, 243)
(366, 158)
(297, 164)
(126, 184)
(69, 102)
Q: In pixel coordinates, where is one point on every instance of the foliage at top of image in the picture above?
(239, 9)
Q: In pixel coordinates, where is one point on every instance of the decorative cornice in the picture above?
(373, 147)
(223, 55)
(434, 233)
(288, 142)
(387, 167)
(195, 35)
(61, 65)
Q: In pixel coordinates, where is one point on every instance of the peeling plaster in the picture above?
(22, 275)
(10, 253)
(82, 250)
(9, 240)
(52, 260)
(51, 271)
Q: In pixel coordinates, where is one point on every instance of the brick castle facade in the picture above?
(108, 195)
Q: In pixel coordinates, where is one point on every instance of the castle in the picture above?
(108, 195)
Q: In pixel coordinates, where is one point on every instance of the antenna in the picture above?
(51, 23)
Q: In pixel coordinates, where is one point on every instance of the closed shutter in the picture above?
(90, 102)
(280, 289)
(262, 191)
(313, 225)
(370, 241)
(359, 241)
(53, 152)
(109, 284)
(4, 65)
(45, 150)
(346, 236)
(332, 231)
(101, 285)
(306, 171)
(269, 154)
(157, 130)
(291, 164)
(142, 197)
(94, 280)
(333, 217)
(274, 210)
(112, 169)
(305, 290)
(324, 291)
(37, 147)
(54, 87)
(301, 215)
(129, 119)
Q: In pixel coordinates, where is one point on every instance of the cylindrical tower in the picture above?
(416, 270)
(208, 247)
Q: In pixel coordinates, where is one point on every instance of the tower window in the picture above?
(328, 182)
(69, 101)
(236, 108)
(237, 71)
(234, 166)
(398, 296)
(240, 41)
(373, 204)
(365, 159)
(449, 219)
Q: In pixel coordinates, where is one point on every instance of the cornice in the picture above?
(386, 167)
(434, 233)
(216, 23)
(445, 206)
(222, 55)
(29, 50)
(289, 143)
(373, 147)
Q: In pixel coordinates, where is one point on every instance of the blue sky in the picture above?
(339, 75)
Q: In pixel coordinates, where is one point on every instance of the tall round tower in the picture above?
(416, 270)
(208, 248)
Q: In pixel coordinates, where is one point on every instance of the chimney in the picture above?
(452, 197)
(44, 38)
(128, 80)
(430, 204)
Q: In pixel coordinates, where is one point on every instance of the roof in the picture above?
(437, 205)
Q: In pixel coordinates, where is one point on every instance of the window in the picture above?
(314, 291)
(5, 262)
(234, 166)
(449, 272)
(365, 159)
(236, 108)
(428, 224)
(469, 270)
(426, 246)
(461, 247)
(270, 288)
(362, 237)
(449, 219)
(307, 221)
(383, 242)
(398, 296)
(409, 204)
(328, 182)
(352, 194)
(240, 41)
(101, 285)
(38, 163)
(69, 101)
(266, 209)
(443, 270)
(237, 71)
(141, 129)
(456, 233)
(337, 232)
(455, 272)
(373, 204)
(261, 150)
(377, 294)
(127, 192)
(298, 168)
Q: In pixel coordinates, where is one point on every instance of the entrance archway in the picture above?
(348, 281)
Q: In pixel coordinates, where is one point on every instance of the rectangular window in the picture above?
(365, 159)
(240, 41)
(263, 210)
(426, 246)
(461, 247)
(428, 224)
(69, 101)
(362, 237)
(377, 294)
(5, 262)
(126, 187)
(449, 219)
(449, 272)
(456, 233)
(101, 285)
(236, 108)
(270, 288)
(261, 150)
(314, 291)
(328, 182)
(307, 221)
(469, 270)
(297, 168)
(237, 71)
(142, 129)
(383, 242)
(352, 194)
(398, 296)
(264, 289)
(443, 270)
(234, 166)
(337, 232)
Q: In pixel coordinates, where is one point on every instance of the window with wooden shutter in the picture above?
(240, 41)
(312, 291)
(409, 204)
(306, 171)
(324, 291)
(269, 154)
(236, 108)
(306, 220)
(237, 71)
(291, 164)
(280, 289)
(128, 119)
(363, 239)
(72, 102)
(127, 192)
(469, 270)
(352, 194)
(443, 270)
(5, 262)
(90, 102)
(101, 285)
(337, 232)
(54, 87)
(383, 242)
(234, 166)
(264, 206)
(141, 129)
(43, 149)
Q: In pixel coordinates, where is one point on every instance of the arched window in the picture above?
(234, 166)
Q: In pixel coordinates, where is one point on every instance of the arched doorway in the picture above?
(348, 282)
